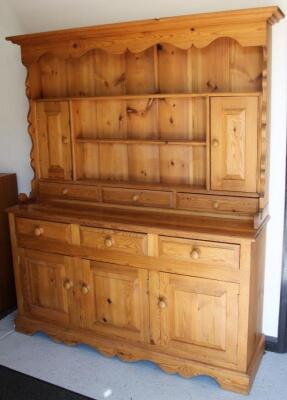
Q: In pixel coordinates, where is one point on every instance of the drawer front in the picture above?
(66, 191)
(111, 240)
(43, 230)
(151, 198)
(187, 201)
(201, 252)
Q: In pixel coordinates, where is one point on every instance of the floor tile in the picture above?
(7, 325)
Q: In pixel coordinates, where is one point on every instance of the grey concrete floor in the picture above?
(85, 371)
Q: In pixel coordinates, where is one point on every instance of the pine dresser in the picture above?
(143, 235)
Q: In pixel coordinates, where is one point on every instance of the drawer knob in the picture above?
(215, 205)
(85, 289)
(65, 191)
(68, 284)
(108, 242)
(195, 254)
(65, 140)
(38, 231)
(162, 303)
(215, 143)
(135, 197)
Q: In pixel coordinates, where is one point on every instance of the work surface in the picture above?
(148, 221)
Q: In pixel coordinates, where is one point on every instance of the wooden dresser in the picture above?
(8, 198)
(144, 233)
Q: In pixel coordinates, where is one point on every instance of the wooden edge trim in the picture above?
(270, 14)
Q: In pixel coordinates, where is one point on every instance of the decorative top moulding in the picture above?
(248, 27)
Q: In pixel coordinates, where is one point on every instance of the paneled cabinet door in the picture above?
(47, 285)
(199, 318)
(54, 140)
(234, 131)
(111, 300)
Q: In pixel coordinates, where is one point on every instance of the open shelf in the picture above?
(141, 141)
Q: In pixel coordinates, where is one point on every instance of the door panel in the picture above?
(199, 317)
(116, 300)
(234, 132)
(45, 277)
(54, 140)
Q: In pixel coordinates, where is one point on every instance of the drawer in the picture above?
(151, 198)
(188, 201)
(71, 192)
(43, 230)
(112, 240)
(201, 252)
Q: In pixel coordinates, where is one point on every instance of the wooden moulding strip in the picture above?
(143, 141)
(151, 96)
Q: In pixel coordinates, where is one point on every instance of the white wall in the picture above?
(36, 15)
(14, 141)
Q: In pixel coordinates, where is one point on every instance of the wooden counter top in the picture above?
(137, 220)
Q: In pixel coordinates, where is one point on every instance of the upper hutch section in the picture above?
(153, 113)
(214, 52)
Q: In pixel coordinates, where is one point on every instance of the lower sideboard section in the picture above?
(192, 305)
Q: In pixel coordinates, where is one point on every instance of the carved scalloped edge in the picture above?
(264, 117)
(189, 372)
(240, 382)
(183, 371)
(31, 130)
(65, 53)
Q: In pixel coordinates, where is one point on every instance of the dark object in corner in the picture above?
(17, 386)
(8, 198)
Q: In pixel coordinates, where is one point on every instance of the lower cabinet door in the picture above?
(46, 285)
(111, 300)
(199, 318)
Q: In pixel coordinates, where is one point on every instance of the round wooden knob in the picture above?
(65, 191)
(65, 140)
(23, 198)
(85, 289)
(215, 204)
(195, 254)
(108, 242)
(38, 231)
(162, 304)
(135, 197)
(215, 143)
(68, 284)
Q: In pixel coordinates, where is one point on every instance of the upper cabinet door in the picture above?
(54, 140)
(234, 137)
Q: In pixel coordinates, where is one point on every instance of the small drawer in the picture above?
(43, 230)
(201, 252)
(151, 198)
(188, 201)
(105, 239)
(68, 191)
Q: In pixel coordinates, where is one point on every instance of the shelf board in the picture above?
(151, 96)
(142, 141)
